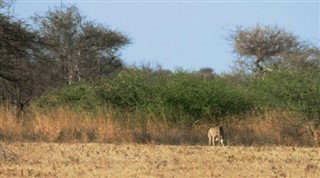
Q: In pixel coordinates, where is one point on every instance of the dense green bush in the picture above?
(201, 98)
(180, 96)
(177, 96)
(184, 97)
(273, 91)
(298, 92)
(81, 96)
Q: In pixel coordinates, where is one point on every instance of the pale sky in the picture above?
(187, 34)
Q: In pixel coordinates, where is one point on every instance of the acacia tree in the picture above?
(80, 49)
(259, 46)
(17, 63)
(306, 57)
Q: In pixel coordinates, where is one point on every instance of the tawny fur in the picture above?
(216, 134)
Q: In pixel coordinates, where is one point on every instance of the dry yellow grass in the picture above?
(74, 156)
(63, 125)
(134, 160)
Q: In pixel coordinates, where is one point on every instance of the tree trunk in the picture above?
(258, 66)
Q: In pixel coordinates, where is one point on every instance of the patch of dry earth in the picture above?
(132, 160)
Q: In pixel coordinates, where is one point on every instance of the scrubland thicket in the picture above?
(62, 80)
(145, 106)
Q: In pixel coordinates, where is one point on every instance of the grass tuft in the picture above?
(66, 125)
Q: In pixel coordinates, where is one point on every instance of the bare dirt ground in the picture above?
(133, 160)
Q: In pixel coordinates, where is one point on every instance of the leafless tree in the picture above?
(258, 46)
(62, 49)
(17, 45)
(80, 49)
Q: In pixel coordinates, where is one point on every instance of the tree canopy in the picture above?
(60, 48)
(257, 46)
(80, 49)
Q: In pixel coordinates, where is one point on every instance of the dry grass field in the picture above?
(136, 160)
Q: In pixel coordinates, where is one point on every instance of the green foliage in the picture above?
(179, 97)
(298, 92)
(82, 96)
(131, 90)
(306, 95)
(202, 98)
(184, 97)
(272, 91)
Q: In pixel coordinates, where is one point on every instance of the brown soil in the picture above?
(133, 160)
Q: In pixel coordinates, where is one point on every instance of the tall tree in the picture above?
(80, 49)
(17, 46)
(258, 46)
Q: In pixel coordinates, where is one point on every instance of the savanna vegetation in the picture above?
(62, 80)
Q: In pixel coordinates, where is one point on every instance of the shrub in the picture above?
(179, 97)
